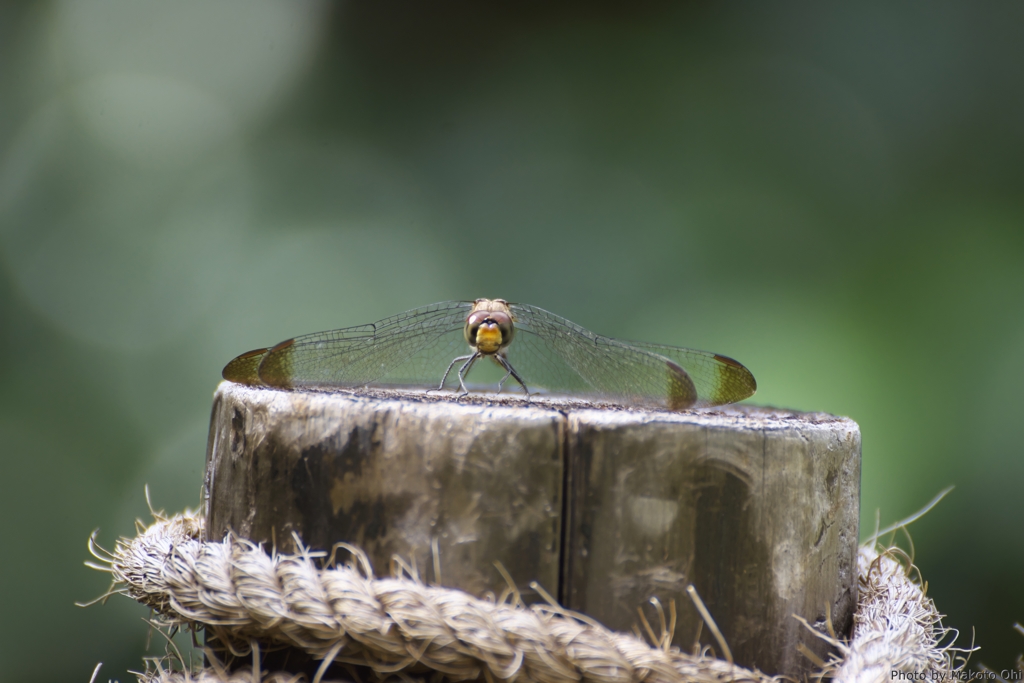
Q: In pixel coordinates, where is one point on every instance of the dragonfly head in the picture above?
(489, 326)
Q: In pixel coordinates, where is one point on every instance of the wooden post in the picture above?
(756, 508)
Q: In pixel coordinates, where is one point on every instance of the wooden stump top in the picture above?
(604, 507)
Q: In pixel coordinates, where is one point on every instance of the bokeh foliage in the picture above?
(830, 193)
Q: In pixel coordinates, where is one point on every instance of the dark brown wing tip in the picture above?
(272, 370)
(282, 346)
(728, 361)
(739, 382)
(682, 394)
(243, 369)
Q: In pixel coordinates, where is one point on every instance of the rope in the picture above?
(399, 625)
(896, 627)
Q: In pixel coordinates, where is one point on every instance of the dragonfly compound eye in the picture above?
(489, 331)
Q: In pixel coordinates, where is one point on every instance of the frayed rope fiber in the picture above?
(394, 625)
(896, 627)
(241, 593)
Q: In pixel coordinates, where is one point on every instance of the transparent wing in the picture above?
(718, 379)
(556, 355)
(409, 349)
(548, 352)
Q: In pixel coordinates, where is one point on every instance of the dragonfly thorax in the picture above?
(489, 326)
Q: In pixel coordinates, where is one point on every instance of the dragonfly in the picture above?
(542, 352)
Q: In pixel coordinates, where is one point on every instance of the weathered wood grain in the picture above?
(605, 508)
(758, 509)
(467, 485)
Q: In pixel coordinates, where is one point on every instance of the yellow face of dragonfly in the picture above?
(490, 326)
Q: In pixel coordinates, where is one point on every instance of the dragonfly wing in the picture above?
(550, 353)
(718, 379)
(404, 350)
(560, 356)
(245, 368)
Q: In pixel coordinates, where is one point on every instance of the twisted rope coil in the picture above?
(343, 614)
(896, 628)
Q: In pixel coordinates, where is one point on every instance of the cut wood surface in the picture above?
(603, 507)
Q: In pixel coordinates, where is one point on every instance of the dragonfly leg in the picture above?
(507, 374)
(450, 366)
(464, 369)
(503, 362)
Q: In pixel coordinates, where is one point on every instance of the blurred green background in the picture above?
(831, 193)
